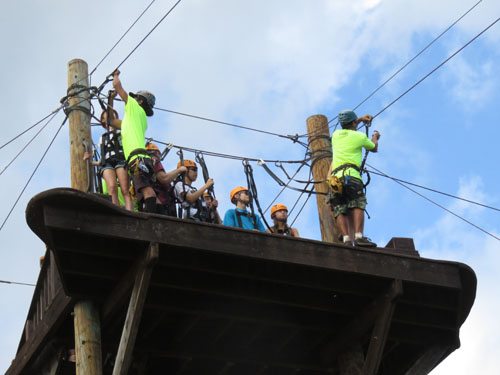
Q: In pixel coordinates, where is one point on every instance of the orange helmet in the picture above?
(150, 146)
(187, 163)
(278, 207)
(206, 194)
(235, 191)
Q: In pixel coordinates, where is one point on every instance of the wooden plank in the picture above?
(381, 330)
(220, 239)
(55, 316)
(134, 312)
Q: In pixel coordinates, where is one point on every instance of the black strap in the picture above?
(286, 231)
(138, 151)
(345, 166)
(239, 214)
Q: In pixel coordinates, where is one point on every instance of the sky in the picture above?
(270, 65)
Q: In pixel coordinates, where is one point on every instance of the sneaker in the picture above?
(364, 242)
(348, 243)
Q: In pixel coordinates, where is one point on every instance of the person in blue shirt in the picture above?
(240, 217)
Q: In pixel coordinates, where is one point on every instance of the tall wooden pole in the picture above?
(80, 137)
(86, 315)
(349, 362)
(321, 153)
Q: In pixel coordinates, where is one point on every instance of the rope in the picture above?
(284, 187)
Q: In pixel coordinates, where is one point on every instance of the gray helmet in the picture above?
(149, 98)
(347, 116)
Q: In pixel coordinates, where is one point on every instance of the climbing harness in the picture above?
(252, 188)
(201, 161)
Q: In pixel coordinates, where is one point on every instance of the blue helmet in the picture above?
(347, 116)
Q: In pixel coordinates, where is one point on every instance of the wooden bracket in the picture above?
(357, 329)
(381, 329)
(134, 312)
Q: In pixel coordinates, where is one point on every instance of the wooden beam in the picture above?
(60, 307)
(381, 330)
(225, 240)
(430, 359)
(134, 312)
(360, 325)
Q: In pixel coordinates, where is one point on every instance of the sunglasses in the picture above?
(193, 169)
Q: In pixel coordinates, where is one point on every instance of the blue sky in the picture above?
(270, 65)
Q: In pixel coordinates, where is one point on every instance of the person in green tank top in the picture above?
(138, 106)
(347, 151)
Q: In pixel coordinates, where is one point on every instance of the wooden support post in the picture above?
(346, 347)
(134, 312)
(87, 322)
(87, 339)
(79, 124)
(430, 359)
(321, 154)
(381, 330)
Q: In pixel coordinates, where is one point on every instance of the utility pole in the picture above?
(321, 154)
(350, 361)
(86, 314)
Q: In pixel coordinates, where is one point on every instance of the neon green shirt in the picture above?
(134, 125)
(347, 147)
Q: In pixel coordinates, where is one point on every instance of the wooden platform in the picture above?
(230, 301)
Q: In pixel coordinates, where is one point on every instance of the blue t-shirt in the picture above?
(231, 220)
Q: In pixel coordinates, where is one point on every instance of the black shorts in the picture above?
(142, 173)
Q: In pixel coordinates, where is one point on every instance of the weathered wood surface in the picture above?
(134, 312)
(233, 301)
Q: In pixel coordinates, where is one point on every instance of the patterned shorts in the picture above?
(352, 196)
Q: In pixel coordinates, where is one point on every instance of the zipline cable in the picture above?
(32, 174)
(227, 156)
(430, 189)
(29, 142)
(411, 60)
(293, 138)
(284, 187)
(437, 67)
(440, 206)
(148, 34)
(15, 283)
(32, 126)
(123, 36)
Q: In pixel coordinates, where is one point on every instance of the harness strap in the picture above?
(346, 166)
(239, 214)
(136, 152)
(286, 231)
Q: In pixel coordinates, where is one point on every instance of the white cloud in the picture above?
(263, 64)
(451, 239)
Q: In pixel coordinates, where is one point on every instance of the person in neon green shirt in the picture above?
(347, 150)
(133, 127)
